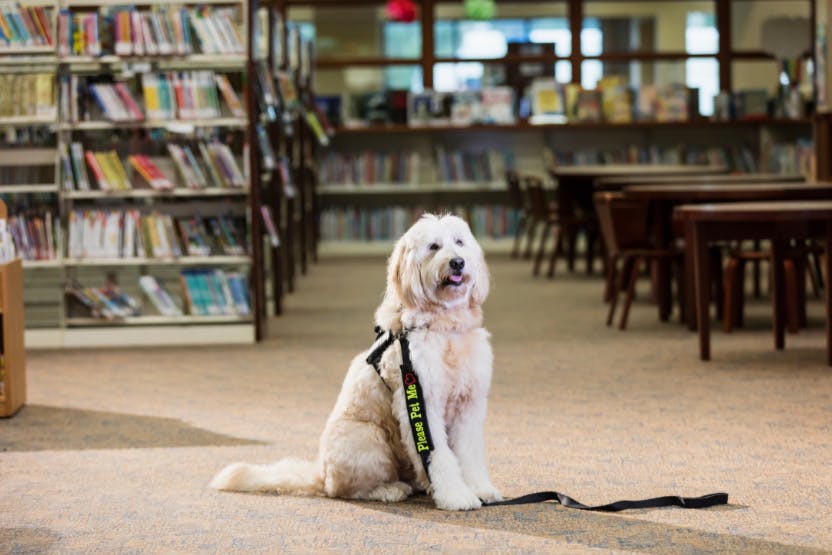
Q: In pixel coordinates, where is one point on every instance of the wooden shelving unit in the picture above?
(12, 351)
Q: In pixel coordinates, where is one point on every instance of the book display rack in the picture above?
(406, 145)
(130, 163)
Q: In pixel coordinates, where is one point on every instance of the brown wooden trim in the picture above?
(722, 9)
(576, 20)
(256, 280)
(507, 59)
(428, 46)
(646, 56)
(328, 63)
(522, 126)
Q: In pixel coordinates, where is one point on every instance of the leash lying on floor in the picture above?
(424, 445)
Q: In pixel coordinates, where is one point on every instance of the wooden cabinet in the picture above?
(12, 352)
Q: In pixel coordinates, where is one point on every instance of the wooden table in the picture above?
(776, 221)
(619, 182)
(575, 185)
(663, 198)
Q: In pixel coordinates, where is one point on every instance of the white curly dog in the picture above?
(437, 280)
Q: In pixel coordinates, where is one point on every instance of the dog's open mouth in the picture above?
(454, 280)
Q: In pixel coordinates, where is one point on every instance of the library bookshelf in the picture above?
(37, 146)
(348, 54)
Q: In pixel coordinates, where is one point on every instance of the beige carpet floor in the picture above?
(116, 447)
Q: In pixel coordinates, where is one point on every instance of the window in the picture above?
(701, 37)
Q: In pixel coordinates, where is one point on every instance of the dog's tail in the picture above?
(290, 476)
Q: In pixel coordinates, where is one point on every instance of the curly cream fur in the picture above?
(366, 450)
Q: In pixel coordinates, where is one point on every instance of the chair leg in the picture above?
(801, 266)
(531, 232)
(610, 276)
(729, 306)
(790, 283)
(757, 273)
(631, 289)
(571, 243)
(617, 285)
(557, 250)
(716, 263)
(681, 283)
(518, 234)
(541, 249)
(589, 255)
(816, 274)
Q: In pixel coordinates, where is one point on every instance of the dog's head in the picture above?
(437, 264)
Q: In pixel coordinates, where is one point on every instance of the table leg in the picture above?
(778, 247)
(827, 267)
(689, 280)
(701, 271)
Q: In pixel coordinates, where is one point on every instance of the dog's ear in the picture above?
(387, 314)
(482, 280)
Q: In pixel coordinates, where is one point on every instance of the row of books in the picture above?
(737, 157)
(86, 170)
(126, 31)
(35, 237)
(108, 302)
(99, 234)
(18, 175)
(188, 95)
(372, 224)
(368, 167)
(491, 105)
(275, 92)
(27, 94)
(205, 292)
(612, 101)
(22, 26)
(481, 167)
(7, 249)
(218, 169)
(789, 158)
(164, 96)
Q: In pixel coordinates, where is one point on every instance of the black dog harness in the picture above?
(424, 444)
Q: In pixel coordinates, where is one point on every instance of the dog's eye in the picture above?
(434, 246)
(459, 242)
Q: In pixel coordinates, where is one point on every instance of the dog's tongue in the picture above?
(455, 278)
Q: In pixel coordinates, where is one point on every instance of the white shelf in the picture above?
(158, 320)
(150, 335)
(182, 261)
(177, 125)
(151, 193)
(27, 50)
(104, 3)
(409, 188)
(56, 263)
(189, 60)
(26, 121)
(29, 188)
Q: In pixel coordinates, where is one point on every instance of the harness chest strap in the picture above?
(417, 417)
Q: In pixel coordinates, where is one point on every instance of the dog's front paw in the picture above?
(488, 493)
(458, 499)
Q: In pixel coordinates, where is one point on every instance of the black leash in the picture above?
(424, 445)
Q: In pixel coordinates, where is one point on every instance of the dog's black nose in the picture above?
(457, 263)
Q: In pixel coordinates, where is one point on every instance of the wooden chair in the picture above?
(625, 234)
(572, 221)
(520, 205)
(795, 269)
(544, 213)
